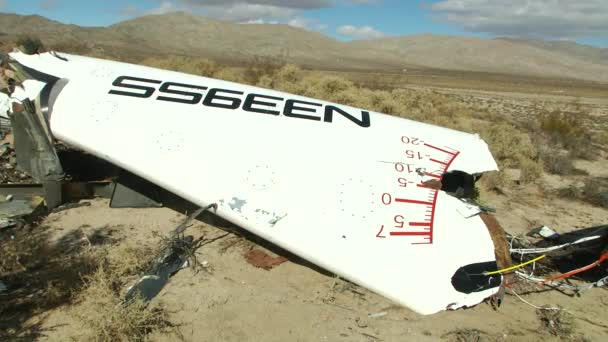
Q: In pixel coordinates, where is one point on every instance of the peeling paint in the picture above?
(237, 204)
(264, 212)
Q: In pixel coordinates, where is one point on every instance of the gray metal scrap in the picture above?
(35, 152)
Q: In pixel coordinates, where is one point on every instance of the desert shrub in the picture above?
(495, 181)
(230, 74)
(255, 72)
(30, 45)
(70, 47)
(509, 146)
(289, 73)
(556, 162)
(265, 81)
(567, 130)
(595, 191)
(571, 192)
(601, 138)
(332, 85)
(189, 65)
(531, 170)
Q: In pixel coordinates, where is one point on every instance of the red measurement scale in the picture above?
(413, 203)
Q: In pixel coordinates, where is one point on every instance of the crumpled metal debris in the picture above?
(581, 254)
(172, 258)
(175, 254)
(18, 209)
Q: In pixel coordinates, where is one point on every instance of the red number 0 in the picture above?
(386, 198)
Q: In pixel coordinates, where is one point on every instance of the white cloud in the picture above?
(556, 19)
(362, 2)
(245, 11)
(299, 22)
(2, 4)
(261, 22)
(164, 8)
(363, 32)
(302, 4)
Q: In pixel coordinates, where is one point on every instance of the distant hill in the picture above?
(184, 34)
(573, 49)
(491, 55)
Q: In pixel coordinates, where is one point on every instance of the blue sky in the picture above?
(583, 21)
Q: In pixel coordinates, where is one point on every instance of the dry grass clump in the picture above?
(87, 268)
(100, 307)
(128, 260)
(465, 335)
(107, 318)
(40, 276)
(556, 322)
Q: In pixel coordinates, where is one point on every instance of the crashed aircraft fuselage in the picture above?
(350, 190)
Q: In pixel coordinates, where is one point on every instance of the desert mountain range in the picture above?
(229, 42)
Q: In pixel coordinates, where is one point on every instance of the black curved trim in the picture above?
(470, 278)
(37, 75)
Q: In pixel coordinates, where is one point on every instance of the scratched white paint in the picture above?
(331, 193)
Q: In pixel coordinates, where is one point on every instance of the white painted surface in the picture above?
(5, 105)
(314, 188)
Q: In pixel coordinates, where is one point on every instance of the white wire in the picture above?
(578, 289)
(532, 305)
(524, 251)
